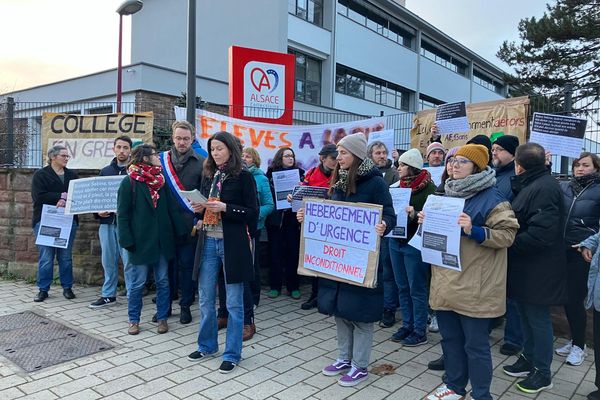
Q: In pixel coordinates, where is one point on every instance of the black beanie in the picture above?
(508, 143)
(481, 139)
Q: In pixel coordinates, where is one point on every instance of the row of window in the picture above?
(444, 59)
(487, 82)
(308, 10)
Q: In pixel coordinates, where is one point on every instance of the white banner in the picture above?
(305, 140)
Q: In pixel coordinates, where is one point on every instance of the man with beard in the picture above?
(378, 152)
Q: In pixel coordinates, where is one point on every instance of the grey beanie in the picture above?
(355, 144)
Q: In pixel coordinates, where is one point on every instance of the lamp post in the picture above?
(128, 7)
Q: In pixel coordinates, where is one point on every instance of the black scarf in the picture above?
(579, 183)
(179, 160)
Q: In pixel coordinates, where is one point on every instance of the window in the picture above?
(357, 84)
(377, 20)
(426, 102)
(308, 78)
(487, 82)
(100, 110)
(444, 59)
(308, 10)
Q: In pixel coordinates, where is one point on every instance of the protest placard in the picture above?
(401, 200)
(559, 134)
(301, 192)
(339, 241)
(89, 138)
(451, 118)
(95, 194)
(55, 227)
(284, 183)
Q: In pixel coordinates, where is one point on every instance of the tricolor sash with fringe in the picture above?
(173, 181)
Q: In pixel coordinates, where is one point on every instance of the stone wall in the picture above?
(18, 253)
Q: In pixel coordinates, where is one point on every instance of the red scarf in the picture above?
(416, 182)
(151, 175)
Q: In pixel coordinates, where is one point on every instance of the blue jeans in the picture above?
(390, 290)
(111, 250)
(537, 333)
(181, 276)
(412, 279)
(513, 333)
(213, 258)
(64, 257)
(467, 353)
(136, 280)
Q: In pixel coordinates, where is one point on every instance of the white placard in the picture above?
(194, 196)
(559, 134)
(55, 227)
(452, 118)
(341, 261)
(441, 232)
(284, 183)
(401, 200)
(92, 195)
(436, 174)
(386, 137)
(300, 192)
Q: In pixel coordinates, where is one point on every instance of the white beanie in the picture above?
(412, 158)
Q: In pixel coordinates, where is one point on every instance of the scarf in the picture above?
(151, 175)
(579, 183)
(471, 185)
(416, 182)
(363, 169)
(211, 219)
(179, 159)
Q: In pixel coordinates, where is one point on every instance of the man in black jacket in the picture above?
(536, 264)
(107, 232)
(49, 186)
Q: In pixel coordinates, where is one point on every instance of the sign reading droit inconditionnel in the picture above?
(559, 134)
(96, 194)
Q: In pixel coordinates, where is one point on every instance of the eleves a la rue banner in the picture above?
(508, 116)
(89, 138)
(338, 241)
(305, 140)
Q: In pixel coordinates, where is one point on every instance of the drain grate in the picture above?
(34, 342)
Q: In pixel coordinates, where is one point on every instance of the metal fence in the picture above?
(21, 122)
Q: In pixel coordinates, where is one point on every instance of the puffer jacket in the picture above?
(582, 212)
(479, 289)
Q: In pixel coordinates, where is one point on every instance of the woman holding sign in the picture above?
(466, 300)
(355, 179)
(410, 272)
(227, 224)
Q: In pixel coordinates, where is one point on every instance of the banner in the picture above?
(338, 241)
(305, 140)
(89, 138)
(508, 116)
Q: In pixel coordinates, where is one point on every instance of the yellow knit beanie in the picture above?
(476, 153)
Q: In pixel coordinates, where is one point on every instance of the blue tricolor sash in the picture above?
(173, 181)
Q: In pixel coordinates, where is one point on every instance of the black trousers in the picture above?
(577, 277)
(284, 244)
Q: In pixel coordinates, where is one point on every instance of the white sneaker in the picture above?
(443, 393)
(433, 325)
(576, 356)
(565, 350)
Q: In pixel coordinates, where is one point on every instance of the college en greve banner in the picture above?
(508, 116)
(89, 138)
(305, 140)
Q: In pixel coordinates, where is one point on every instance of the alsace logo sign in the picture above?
(264, 88)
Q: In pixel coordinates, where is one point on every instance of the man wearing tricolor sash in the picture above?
(182, 168)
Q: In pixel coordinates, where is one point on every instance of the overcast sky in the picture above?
(45, 41)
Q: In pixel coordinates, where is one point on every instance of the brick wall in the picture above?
(18, 253)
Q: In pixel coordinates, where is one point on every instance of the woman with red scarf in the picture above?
(410, 272)
(147, 222)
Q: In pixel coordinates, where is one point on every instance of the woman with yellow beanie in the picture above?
(465, 301)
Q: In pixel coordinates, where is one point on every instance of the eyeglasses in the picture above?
(497, 149)
(460, 162)
(289, 156)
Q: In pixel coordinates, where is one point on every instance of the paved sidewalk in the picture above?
(282, 361)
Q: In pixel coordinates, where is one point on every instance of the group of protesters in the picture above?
(527, 243)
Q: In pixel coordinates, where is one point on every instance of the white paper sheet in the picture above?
(401, 200)
(452, 118)
(436, 174)
(55, 227)
(194, 196)
(284, 183)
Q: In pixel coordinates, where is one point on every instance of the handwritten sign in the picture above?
(96, 194)
(339, 241)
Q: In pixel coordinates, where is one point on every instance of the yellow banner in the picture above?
(508, 116)
(89, 138)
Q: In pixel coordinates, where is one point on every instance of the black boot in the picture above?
(437, 365)
(186, 316)
(310, 303)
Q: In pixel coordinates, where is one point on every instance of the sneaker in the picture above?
(595, 395)
(388, 319)
(414, 340)
(534, 383)
(68, 294)
(163, 327)
(576, 356)
(401, 334)
(354, 377)
(338, 367)
(41, 296)
(185, 316)
(134, 328)
(295, 294)
(273, 294)
(565, 350)
(198, 355)
(509, 349)
(520, 368)
(433, 325)
(444, 393)
(248, 333)
(226, 367)
(310, 303)
(103, 302)
(437, 364)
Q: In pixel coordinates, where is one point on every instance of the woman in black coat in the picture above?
(227, 223)
(582, 212)
(355, 308)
